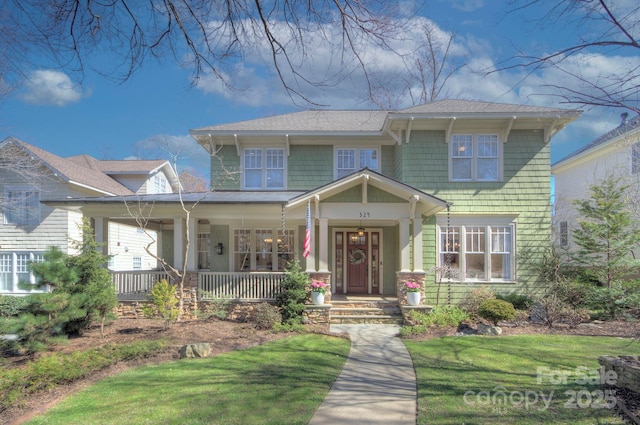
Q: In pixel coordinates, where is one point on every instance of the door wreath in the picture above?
(357, 256)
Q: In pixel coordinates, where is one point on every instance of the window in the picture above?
(159, 183)
(137, 263)
(351, 160)
(477, 253)
(21, 206)
(204, 246)
(564, 233)
(635, 158)
(14, 268)
(475, 158)
(261, 253)
(264, 168)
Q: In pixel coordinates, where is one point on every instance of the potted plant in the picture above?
(318, 289)
(413, 292)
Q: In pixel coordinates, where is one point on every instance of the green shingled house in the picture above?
(392, 196)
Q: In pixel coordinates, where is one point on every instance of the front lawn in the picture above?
(526, 379)
(283, 381)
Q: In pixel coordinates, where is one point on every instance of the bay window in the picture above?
(482, 253)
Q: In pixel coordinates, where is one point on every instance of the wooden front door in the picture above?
(357, 263)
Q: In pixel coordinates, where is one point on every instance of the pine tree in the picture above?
(607, 233)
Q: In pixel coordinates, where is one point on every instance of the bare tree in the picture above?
(203, 35)
(428, 69)
(603, 27)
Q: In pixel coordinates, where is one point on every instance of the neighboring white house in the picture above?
(615, 153)
(29, 175)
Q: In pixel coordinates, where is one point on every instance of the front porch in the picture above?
(247, 289)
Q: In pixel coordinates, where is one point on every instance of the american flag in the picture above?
(307, 235)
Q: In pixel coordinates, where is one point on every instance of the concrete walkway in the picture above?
(377, 384)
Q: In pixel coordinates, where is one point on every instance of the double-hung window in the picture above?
(264, 168)
(349, 160)
(21, 206)
(474, 157)
(159, 183)
(477, 253)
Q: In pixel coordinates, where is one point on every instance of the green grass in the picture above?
(484, 367)
(280, 382)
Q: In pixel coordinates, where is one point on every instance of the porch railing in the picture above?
(244, 285)
(136, 285)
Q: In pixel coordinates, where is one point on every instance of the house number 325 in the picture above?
(364, 214)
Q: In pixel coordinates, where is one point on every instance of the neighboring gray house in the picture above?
(30, 175)
(615, 153)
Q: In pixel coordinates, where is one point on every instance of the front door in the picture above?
(357, 263)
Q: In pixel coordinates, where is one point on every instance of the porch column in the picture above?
(417, 245)
(311, 259)
(405, 251)
(324, 245)
(101, 233)
(178, 239)
(193, 243)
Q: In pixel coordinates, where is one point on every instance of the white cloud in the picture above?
(49, 87)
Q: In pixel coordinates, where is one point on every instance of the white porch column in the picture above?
(405, 252)
(193, 244)
(417, 245)
(101, 230)
(324, 246)
(178, 239)
(311, 259)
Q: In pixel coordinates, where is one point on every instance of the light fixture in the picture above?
(360, 231)
(219, 248)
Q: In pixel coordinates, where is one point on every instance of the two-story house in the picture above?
(614, 154)
(29, 176)
(391, 195)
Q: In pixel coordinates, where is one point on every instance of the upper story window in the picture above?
(474, 157)
(349, 160)
(264, 168)
(635, 158)
(21, 206)
(564, 233)
(159, 183)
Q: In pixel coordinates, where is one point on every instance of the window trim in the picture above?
(488, 223)
(475, 157)
(30, 219)
(263, 167)
(275, 230)
(357, 164)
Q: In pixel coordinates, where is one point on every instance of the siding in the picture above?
(310, 166)
(525, 192)
(225, 169)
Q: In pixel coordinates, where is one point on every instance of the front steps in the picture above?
(365, 310)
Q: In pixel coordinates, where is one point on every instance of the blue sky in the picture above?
(56, 111)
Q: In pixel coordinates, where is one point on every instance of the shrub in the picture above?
(614, 302)
(213, 307)
(286, 327)
(12, 306)
(440, 317)
(519, 301)
(266, 316)
(551, 309)
(163, 296)
(474, 298)
(496, 310)
(291, 299)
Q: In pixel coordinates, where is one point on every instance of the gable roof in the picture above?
(625, 127)
(476, 107)
(86, 171)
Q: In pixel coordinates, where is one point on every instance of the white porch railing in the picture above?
(136, 285)
(243, 285)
